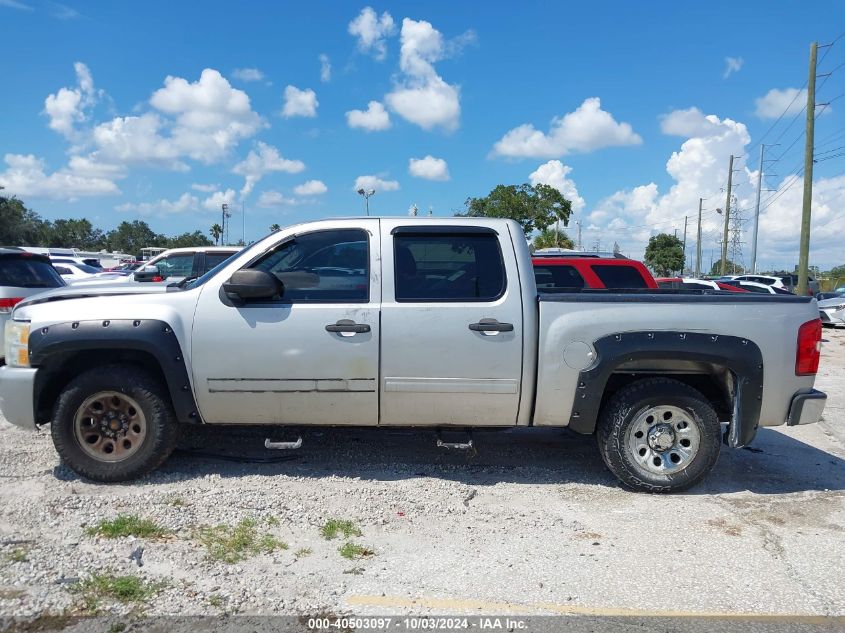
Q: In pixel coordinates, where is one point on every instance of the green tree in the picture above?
(731, 268)
(74, 234)
(664, 254)
(552, 238)
(837, 271)
(274, 227)
(535, 207)
(216, 232)
(131, 237)
(20, 226)
(188, 239)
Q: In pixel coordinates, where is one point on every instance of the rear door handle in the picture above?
(491, 325)
(348, 326)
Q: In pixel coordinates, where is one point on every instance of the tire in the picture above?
(659, 435)
(86, 410)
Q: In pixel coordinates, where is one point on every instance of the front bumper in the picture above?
(806, 408)
(832, 317)
(17, 390)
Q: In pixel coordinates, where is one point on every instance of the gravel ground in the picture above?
(532, 524)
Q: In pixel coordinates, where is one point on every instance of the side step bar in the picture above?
(283, 446)
(460, 446)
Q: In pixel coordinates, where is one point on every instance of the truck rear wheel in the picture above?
(659, 435)
(114, 423)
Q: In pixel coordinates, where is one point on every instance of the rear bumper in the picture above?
(17, 401)
(806, 408)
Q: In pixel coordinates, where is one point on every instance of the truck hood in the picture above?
(83, 291)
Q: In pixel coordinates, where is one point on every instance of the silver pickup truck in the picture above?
(408, 322)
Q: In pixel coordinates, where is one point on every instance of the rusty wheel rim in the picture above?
(110, 426)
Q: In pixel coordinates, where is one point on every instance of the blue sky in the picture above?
(161, 111)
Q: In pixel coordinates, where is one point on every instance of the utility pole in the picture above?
(723, 267)
(225, 208)
(698, 242)
(806, 207)
(243, 224)
(578, 222)
(757, 213)
(683, 266)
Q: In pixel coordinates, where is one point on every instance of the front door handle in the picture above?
(491, 325)
(348, 326)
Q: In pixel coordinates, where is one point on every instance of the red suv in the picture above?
(557, 270)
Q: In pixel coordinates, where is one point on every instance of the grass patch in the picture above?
(125, 589)
(234, 543)
(127, 525)
(352, 551)
(302, 552)
(17, 555)
(334, 527)
(216, 601)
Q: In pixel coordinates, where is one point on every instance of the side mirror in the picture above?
(147, 273)
(244, 285)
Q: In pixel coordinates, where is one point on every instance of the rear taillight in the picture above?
(6, 305)
(809, 348)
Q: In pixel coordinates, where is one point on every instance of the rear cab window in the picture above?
(449, 267)
(25, 272)
(619, 276)
(557, 278)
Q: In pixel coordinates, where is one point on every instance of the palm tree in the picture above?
(552, 238)
(216, 232)
(274, 227)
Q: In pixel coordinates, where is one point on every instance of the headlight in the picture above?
(17, 343)
(841, 306)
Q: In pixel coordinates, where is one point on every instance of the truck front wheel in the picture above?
(114, 423)
(659, 435)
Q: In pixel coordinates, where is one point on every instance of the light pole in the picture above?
(367, 193)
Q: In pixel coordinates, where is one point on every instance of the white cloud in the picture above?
(14, 4)
(554, 173)
(698, 169)
(429, 168)
(247, 74)
(300, 102)
(372, 31)
(68, 106)
(186, 202)
(732, 65)
(25, 176)
(374, 118)
(422, 96)
(205, 120)
(311, 188)
(789, 101)
(325, 68)
(205, 188)
(266, 160)
(688, 123)
(271, 199)
(586, 129)
(375, 182)
(215, 201)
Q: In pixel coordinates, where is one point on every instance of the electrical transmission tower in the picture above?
(735, 239)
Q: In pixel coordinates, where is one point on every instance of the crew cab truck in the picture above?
(408, 322)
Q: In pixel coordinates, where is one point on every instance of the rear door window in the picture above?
(619, 276)
(213, 259)
(23, 272)
(557, 278)
(448, 268)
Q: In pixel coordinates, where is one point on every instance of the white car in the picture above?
(832, 311)
(753, 286)
(768, 280)
(73, 273)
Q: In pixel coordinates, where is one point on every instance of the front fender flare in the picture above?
(60, 341)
